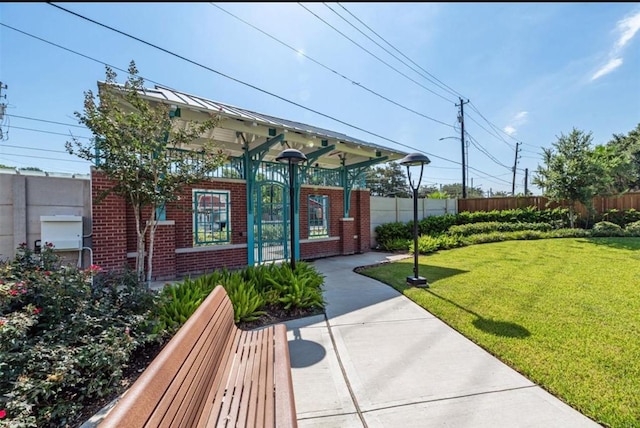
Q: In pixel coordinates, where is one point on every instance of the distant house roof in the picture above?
(238, 126)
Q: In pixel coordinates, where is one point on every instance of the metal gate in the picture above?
(271, 228)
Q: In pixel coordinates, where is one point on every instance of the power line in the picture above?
(387, 51)
(44, 120)
(48, 132)
(235, 80)
(33, 148)
(299, 52)
(42, 157)
(451, 90)
(374, 55)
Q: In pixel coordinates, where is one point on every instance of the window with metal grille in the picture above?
(211, 222)
(318, 207)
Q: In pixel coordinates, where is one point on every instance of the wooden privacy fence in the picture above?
(600, 204)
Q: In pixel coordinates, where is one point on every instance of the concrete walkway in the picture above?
(379, 360)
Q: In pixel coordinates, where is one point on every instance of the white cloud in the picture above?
(519, 119)
(628, 27)
(607, 68)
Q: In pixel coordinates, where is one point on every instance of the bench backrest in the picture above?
(173, 390)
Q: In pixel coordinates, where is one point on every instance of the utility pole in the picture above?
(515, 164)
(526, 180)
(464, 173)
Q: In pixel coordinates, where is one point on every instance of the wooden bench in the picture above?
(211, 373)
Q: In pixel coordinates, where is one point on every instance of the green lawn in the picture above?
(563, 312)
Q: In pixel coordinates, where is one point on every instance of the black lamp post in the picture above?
(292, 157)
(415, 159)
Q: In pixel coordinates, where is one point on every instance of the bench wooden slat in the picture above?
(285, 402)
(197, 376)
(212, 374)
(139, 402)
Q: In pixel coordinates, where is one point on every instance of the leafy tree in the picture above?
(388, 181)
(425, 191)
(455, 190)
(573, 171)
(501, 194)
(30, 168)
(6, 166)
(628, 146)
(131, 146)
(438, 195)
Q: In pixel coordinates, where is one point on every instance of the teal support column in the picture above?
(252, 159)
(296, 210)
(349, 175)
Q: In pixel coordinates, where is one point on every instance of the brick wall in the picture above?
(109, 225)
(174, 254)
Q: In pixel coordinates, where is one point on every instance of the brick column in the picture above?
(164, 251)
(347, 243)
(363, 221)
(109, 220)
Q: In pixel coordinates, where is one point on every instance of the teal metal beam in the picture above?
(266, 145)
(313, 156)
(368, 163)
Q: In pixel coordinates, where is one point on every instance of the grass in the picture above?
(563, 312)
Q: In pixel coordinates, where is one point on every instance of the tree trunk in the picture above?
(152, 235)
(140, 232)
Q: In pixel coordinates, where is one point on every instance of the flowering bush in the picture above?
(65, 336)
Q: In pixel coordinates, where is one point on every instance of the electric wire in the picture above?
(387, 51)
(299, 52)
(235, 80)
(46, 121)
(374, 55)
(451, 90)
(239, 81)
(49, 132)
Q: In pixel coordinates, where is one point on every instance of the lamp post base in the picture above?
(417, 282)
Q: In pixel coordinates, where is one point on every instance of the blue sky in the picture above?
(531, 71)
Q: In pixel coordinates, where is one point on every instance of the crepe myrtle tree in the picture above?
(130, 145)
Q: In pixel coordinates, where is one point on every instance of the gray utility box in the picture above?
(63, 231)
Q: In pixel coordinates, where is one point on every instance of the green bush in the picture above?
(435, 225)
(607, 228)
(633, 229)
(246, 299)
(494, 226)
(65, 336)
(391, 231)
(301, 289)
(569, 233)
(397, 244)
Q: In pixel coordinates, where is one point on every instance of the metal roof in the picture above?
(174, 96)
(256, 128)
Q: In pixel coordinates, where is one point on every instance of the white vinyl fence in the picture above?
(390, 210)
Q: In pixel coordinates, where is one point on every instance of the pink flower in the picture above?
(126, 331)
(3, 413)
(47, 273)
(37, 310)
(13, 292)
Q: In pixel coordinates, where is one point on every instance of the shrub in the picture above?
(65, 336)
(397, 244)
(494, 226)
(607, 228)
(633, 229)
(390, 231)
(299, 289)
